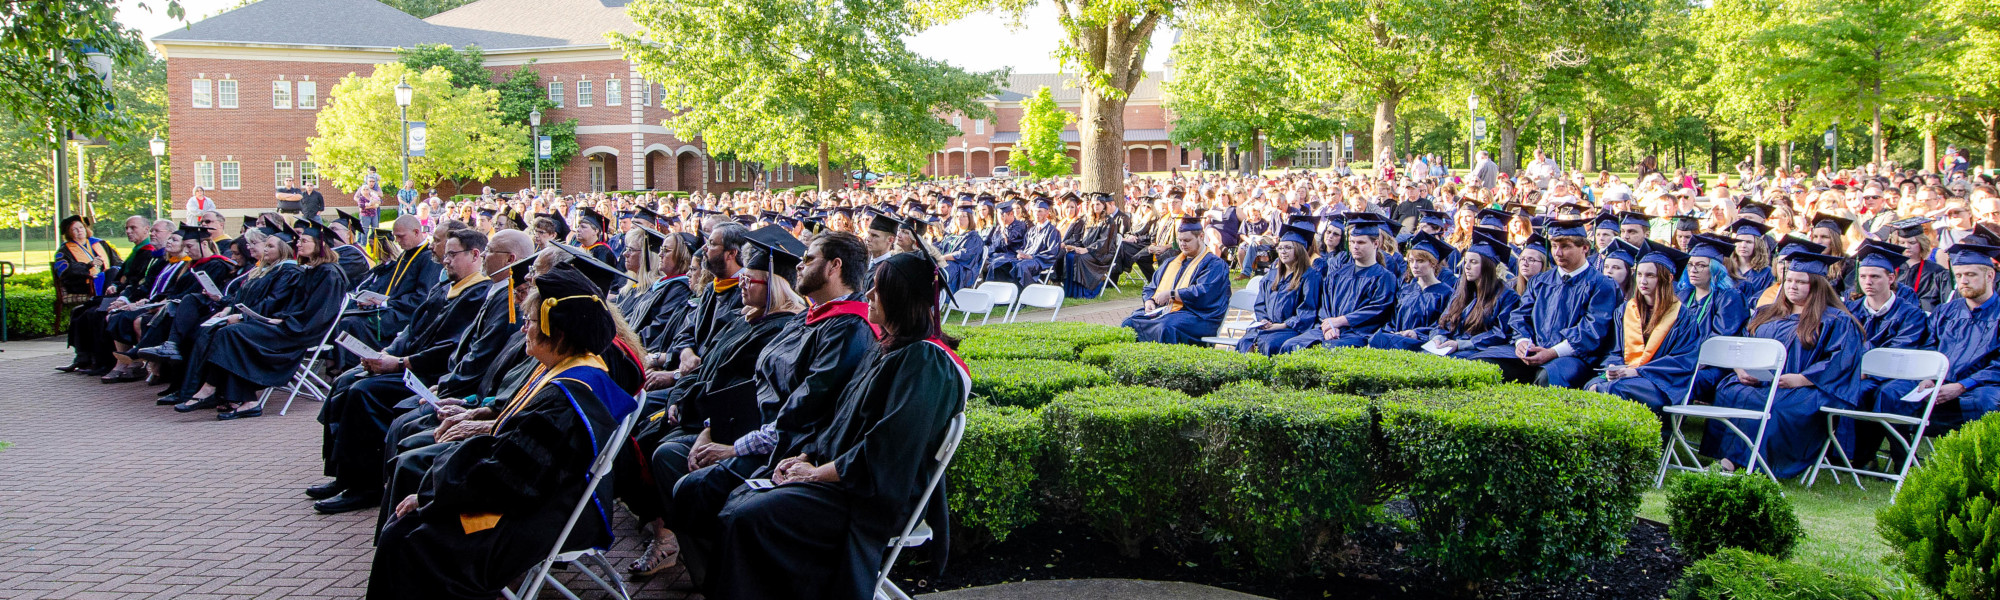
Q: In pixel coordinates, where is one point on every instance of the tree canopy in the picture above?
(468, 138)
(1041, 152)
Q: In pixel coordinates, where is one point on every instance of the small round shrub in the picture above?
(998, 347)
(1194, 370)
(1711, 511)
(1121, 456)
(1374, 370)
(1030, 383)
(1737, 574)
(1944, 526)
(993, 476)
(1517, 481)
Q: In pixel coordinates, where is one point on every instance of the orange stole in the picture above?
(1175, 274)
(1640, 346)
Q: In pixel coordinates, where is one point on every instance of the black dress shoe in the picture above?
(326, 490)
(194, 405)
(122, 377)
(165, 352)
(231, 415)
(77, 365)
(155, 379)
(348, 501)
(95, 371)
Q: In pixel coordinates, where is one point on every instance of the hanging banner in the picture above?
(1479, 128)
(1831, 136)
(417, 138)
(544, 146)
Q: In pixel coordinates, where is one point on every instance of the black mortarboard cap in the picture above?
(1835, 222)
(774, 251)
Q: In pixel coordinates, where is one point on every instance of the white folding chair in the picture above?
(917, 532)
(1039, 296)
(971, 301)
(1004, 294)
(307, 378)
(1749, 354)
(1895, 364)
(1242, 310)
(599, 469)
(1255, 283)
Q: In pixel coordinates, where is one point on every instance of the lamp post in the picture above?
(965, 158)
(404, 94)
(100, 64)
(159, 148)
(1471, 135)
(535, 131)
(1562, 132)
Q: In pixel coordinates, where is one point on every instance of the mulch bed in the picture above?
(1376, 564)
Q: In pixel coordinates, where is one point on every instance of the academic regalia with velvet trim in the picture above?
(1579, 311)
(1295, 309)
(514, 488)
(806, 541)
(261, 292)
(965, 250)
(1365, 295)
(1722, 312)
(76, 275)
(1204, 301)
(604, 253)
(406, 281)
(1792, 438)
(1931, 282)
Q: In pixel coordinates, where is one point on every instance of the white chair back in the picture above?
(1762, 358)
(1002, 292)
(1741, 353)
(953, 434)
(1244, 299)
(1042, 296)
(306, 379)
(1255, 283)
(973, 301)
(1885, 363)
(1897, 363)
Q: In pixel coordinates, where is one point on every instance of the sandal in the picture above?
(657, 556)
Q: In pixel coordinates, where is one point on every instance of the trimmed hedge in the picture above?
(1284, 474)
(1081, 335)
(1711, 511)
(1517, 480)
(990, 348)
(1944, 526)
(1374, 371)
(31, 313)
(1030, 383)
(1194, 370)
(1122, 455)
(1737, 574)
(993, 475)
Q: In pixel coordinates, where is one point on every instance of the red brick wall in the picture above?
(253, 134)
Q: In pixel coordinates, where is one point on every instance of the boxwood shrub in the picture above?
(1120, 457)
(1284, 473)
(1194, 370)
(1516, 480)
(1710, 511)
(1082, 335)
(1373, 371)
(1737, 574)
(986, 348)
(31, 312)
(993, 476)
(1030, 383)
(1944, 527)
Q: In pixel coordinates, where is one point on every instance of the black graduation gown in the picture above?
(714, 314)
(1086, 270)
(274, 287)
(669, 311)
(405, 281)
(531, 472)
(265, 354)
(1931, 282)
(733, 362)
(353, 263)
(827, 540)
(479, 349)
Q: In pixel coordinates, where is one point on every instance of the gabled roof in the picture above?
(341, 23)
(1063, 87)
(573, 22)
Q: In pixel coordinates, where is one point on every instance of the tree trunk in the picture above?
(826, 180)
(1510, 160)
(1757, 157)
(1385, 122)
(1992, 121)
(1710, 131)
(1785, 155)
(1930, 144)
(1587, 144)
(1876, 148)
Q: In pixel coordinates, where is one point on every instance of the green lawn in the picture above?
(40, 251)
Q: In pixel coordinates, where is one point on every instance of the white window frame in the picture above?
(551, 180)
(959, 122)
(308, 173)
(281, 95)
(225, 172)
(979, 126)
(204, 174)
(556, 93)
(307, 98)
(203, 93)
(225, 93)
(596, 175)
(613, 92)
(649, 95)
(281, 171)
(586, 93)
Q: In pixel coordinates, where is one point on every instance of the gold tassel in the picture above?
(512, 305)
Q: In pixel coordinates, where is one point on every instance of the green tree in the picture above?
(49, 81)
(1863, 57)
(520, 93)
(120, 175)
(1041, 152)
(1106, 41)
(802, 81)
(1234, 82)
(1975, 77)
(1734, 71)
(423, 9)
(468, 139)
(1371, 52)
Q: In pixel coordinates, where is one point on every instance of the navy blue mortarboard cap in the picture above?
(1494, 218)
(1604, 221)
(1624, 251)
(1749, 227)
(1570, 228)
(1793, 244)
(1297, 234)
(1665, 256)
(1190, 224)
(1814, 263)
(1635, 218)
(1838, 224)
(1882, 255)
(1423, 240)
(1964, 253)
(1711, 247)
(1436, 218)
(1492, 247)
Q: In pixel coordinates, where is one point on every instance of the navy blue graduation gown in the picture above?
(1042, 244)
(1417, 311)
(1295, 309)
(965, 251)
(1204, 301)
(1722, 312)
(1970, 337)
(1796, 431)
(1664, 378)
(1365, 295)
(1005, 240)
(1580, 311)
(1901, 326)
(1753, 284)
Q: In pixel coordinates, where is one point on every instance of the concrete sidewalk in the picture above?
(1093, 589)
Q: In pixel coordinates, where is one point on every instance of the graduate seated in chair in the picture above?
(1288, 304)
(1478, 307)
(1662, 336)
(492, 506)
(1039, 250)
(1358, 297)
(1964, 329)
(246, 353)
(1562, 328)
(1188, 295)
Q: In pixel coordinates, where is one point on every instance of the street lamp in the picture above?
(965, 157)
(1562, 132)
(404, 94)
(535, 131)
(159, 147)
(101, 64)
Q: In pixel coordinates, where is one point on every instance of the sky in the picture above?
(1028, 49)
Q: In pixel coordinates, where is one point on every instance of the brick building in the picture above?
(244, 88)
(985, 145)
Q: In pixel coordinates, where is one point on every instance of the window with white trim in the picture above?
(204, 93)
(613, 92)
(979, 126)
(308, 96)
(649, 95)
(556, 93)
(734, 172)
(551, 179)
(281, 171)
(308, 172)
(584, 94)
(204, 174)
(281, 94)
(596, 173)
(231, 174)
(225, 93)
(959, 122)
